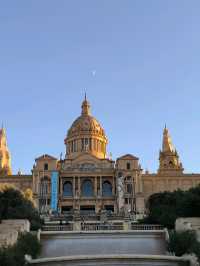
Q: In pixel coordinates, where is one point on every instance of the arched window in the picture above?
(67, 189)
(44, 187)
(107, 189)
(87, 188)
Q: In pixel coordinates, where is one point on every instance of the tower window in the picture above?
(128, 166)
(46, 167)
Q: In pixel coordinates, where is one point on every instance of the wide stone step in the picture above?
(112, 260)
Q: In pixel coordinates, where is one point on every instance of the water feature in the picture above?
(61, 244)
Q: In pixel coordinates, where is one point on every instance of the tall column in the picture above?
(38, 185)
(74, 188)
(79, 186)
(95, 186)
(61, 185)
(100, 186)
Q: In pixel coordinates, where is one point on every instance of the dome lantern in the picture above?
(85, 107)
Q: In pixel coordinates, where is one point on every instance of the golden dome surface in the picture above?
(85, 124)
(86, 135)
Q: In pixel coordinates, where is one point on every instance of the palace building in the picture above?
(86, 180)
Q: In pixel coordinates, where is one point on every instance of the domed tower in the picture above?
(86, 135)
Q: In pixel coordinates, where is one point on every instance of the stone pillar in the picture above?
(100, 186)
(79, 186)
(37, 181)
(95, 186)
(77, 226)
(126, 225)
(74, 188)
(77, 221)
(61, 187)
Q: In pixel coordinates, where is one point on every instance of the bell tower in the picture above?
(5, 158)
(169, 158)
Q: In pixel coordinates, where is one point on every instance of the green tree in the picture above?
(14, 256)
(13, 205)
(164, 208)
(181, 243)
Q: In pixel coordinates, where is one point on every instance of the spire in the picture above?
(167, 142)
(5, 158)
(169, 159)
(3, 141)
(85, 106)
(2, 130)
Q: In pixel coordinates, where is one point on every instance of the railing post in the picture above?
(126, 225)
(77, 226)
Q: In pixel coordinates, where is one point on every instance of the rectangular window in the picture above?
(82, 144)
(129, 188)
(128, 166)
(72, 146)
(95, 144)
(90, 144)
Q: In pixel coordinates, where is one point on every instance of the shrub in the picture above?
(13, 205)
(6, 257)
(28, 244)
(14, 256)
(165, 207)
(181, 243)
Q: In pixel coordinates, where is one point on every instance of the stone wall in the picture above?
(9, 230)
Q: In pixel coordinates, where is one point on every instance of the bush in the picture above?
(13, 205)
(181, 243)
(28, 244)
(6, 257)
(14, 256)
(164, 208)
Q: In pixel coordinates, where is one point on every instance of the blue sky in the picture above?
(147, 61)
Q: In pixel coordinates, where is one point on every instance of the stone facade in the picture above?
(90, 182)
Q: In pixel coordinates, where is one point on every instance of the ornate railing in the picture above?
(101, 227)
(55, 227)
(146, 227)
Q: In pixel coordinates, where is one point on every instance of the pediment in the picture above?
(46, 157)
(86, 158)
(128, 157)
(87, 162)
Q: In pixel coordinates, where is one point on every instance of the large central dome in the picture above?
(86, 135)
